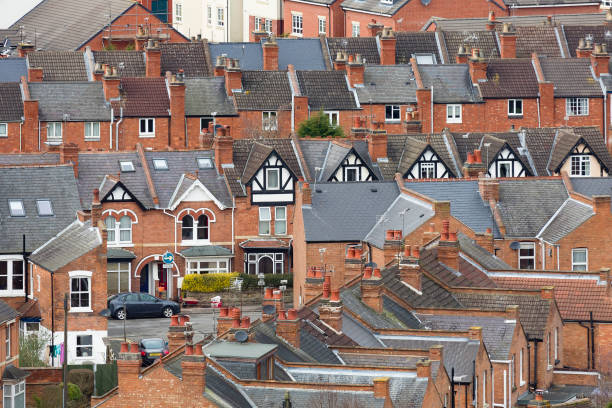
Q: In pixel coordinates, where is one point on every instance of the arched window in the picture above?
(202, 227)
(187, 230)
(119, 232)
(110, 228)
(125, 229)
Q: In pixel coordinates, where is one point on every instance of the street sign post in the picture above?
(168, 258)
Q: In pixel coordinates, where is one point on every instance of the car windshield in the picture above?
(153, 343)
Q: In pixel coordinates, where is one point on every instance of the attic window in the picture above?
(44, 208)
(425, 58)
(160, 164)
(126, 166)
(204, 163)
(16, 208)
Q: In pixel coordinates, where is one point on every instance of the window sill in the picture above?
(146, 135)
(296, 35)
(11, 293)
(195, 243)
(80, 310)
(515, 116)
(92, 139)
(393, 121)
(522, 383)
(453, 121)
(54, 142)
(3, 136)
(549, 367)
(119, 245)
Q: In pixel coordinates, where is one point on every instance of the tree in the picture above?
(31, 349)
(318, 125)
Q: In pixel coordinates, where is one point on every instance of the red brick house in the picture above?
(313, 18)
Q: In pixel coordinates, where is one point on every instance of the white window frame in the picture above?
(515, 107)
(116, 230)
(209, 15)
(280, 220)
(269, 120)
(10, 274)
(606, 3)
(297, 24)
(484, 387)
(526, 245)
(451, 113)
(80, 275)
(204, 163)
(351, 168)
(194, 265)
(220, 17)
(12, 213)
(548, 351)
(556, 345)
(395, 111)
(53, 136)
(333, 116)
(475, 402)
(160, 164)
(577, 106)
(580, 165)
(178, 12)
(513, 371)
(127, 166)
(521, 381)
(3, 129)
(425, 58)
(579, 264)
(7, 340)
(252, 261)
(276, 170)
(355, 29)
(322, 23)
(501, 163)
(93, 128)
(77, 346)
(386, 1)
(194, 241)
(427, 167)
(149, 127)
(11, 391)
(263, 24)
(263, 219)
(118, 268)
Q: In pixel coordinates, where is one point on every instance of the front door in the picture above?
(266, 265)
(144, 279)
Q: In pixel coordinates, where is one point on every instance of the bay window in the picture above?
(118, 277)
(207, 265)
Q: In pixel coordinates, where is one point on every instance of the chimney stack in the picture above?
(220, 66)
(96, 208)
(371, 290)
(488, 188)
(476, 333)
(356, 70)
(410, 270)
(331, 312)
(193, 367)
(387, 46)
(604, 275)
(381, 388)
(340, 61)
(448, 247)
(128, 363)
(392, 245)
(512, 312)
(233, 76)
(507, 41)
(24, 48)
(424, 368)
(491, 21)
(289, 328)
(547, 292)
(69, 154)
(486, 240)
(585, 48)
(35, 74)
(375, 28)
(601, 205)
(153, 59)
(176, 332)
(270, 54)
(462, 54)
(477, 66)
(474, 165)
(306, 193)
(110, 82)
(600, 59)
(436, 353)
(177, 109)
(31, 125)
(377, 145)
(223, 146)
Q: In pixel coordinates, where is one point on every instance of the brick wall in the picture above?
(74, 132)
(193, 130)
(310, 14)
(594, 118)
(39, 378)
(129, 134)
(249, 125)
(575, 346)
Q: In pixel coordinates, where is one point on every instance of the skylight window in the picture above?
(204, 163)
(126, 166)
(44, 208)
(160, 164)
(16, 208)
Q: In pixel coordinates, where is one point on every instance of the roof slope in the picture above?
(365, 46)
(128, 63)
(326, 90)
(572, 77)
(142, 97)
(11, 103)
(410, 43)
(191, 57)
(12, 69)
(451, 83)
(590, 186)
(80, 101)
(375, 6)
(483, 257)
(510, 78)
(483, 40)
(60, 65)
(302, 53)
(264, 90)
(249, 155)
(571, 215)
(387, 84)
(539, 39)
(203, 96)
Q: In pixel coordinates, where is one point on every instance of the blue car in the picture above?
(130, 305)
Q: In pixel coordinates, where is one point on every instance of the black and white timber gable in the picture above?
(120, 193)
(582, 161)
(352, 168)
(507, 164)
(428, 165)
(273, 182)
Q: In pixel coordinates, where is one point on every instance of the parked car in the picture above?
(152, 349)
(140, 305)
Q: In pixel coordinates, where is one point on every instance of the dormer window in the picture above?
(581, 165)
(126, 166)
(204, 163)
(424, 59)
(16, 208)
(386, 1)
(44, 208)
(272, 179)
(160, 164)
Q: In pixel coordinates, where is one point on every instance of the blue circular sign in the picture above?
(168, 258)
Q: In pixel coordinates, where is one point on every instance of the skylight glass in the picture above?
(204, 163)
(16, 208)
(44, 208)
(160, 164)
(126, 166)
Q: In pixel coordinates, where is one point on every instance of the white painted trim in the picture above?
(576, 372)
(367, 12)
(556, 5)
(180, 214)
(156, 257)
(81, 274)
(309, 2)
(197, 183)
(122, 212)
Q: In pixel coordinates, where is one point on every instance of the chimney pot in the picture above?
(477, 156)
(415, 252)
(389, 235)
(292, 314)
(245, 322)
(376, 274)
(174, 320)
(133, 348)
(351, 253)
(124, 347)
(407, 251)
(223, 312)
(367, 273)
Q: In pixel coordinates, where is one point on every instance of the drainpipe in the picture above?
(175, 222)
(20, 125)
(528, 364)
(111, 129)
(52, 324)
(538, 102)
(592, 340)
(452, 384)
(117, 128)
(588, 344)
(39, 135)
(535, 365)
(233, 235)
(432, 110)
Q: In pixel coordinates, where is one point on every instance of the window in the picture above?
(204, 265)
(453, 113)
(577, 106)
(16, 208)
(428, 170)
(118, 277)
(263, 24)
(160, 164)
(484, 387)
(297, 24)
(386, 1)
(220, 17)
(3, 129)
(515, 107)
(14, 395)
(178, 13)
(526, 254)
(322, 25)
(92, 130)
(126, 166)
(204, 122)
(264, 263)
(269, 121)
(521, 382)
(333, 117)
(54, 131)
(209, 15)
(195, 228)
(355, 29)
(580, 165)
(512, 373)
(504, 168)
(423, 59)
(272, 179)
(204, 163)
(280, 220)
(580, 259)
(119, 232)
(264, 220)
(44, 208)
(556, 344)
(606, 3)
(79, 294)
(11, 275)
(8, 341)
(350, 173)
(392, 113)
(84, 346)
(147, 127)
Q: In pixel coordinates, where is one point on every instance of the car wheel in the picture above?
(120, 314)
(167, 312)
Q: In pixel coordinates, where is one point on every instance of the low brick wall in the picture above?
(251, 297)
(39, 378)
(562, 377)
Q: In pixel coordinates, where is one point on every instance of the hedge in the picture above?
(209, 282)
(249, 282)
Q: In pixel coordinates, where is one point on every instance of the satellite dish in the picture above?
(269, 309)
(241, 336)
(515, 245)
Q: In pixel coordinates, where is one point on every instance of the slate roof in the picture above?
(250, 154)
(483, 257)
(571, 215)
(576, 294)
(466, 204)
(362, 358)
(451, 83)
(73, 242)
(539, 39)
(264, 90)
(331, 217)
(13, 373)
(461, 24)
(128, 63)
(191, 57)
(387, 84)
(326, 90)
(410, 43)
(573, 33)
(302, 53)
(12, 69)
(207, 250)
(375, 6)
(28, 184)
(590, 186)
(266, 333)
(60, 65)
(351, 300)
(323, 332)
(225, 389)
(540, 141)
(483, 40)
(497, 332)
(572, 77)
(250, 54)
(206, 95)
(119, 253)
(142, 97)
(29, 158)
(466, 276)
(510, 78)
(544, 2)
(81, 101)
(468, 142)
(11, 103)
(6, 312)
(361, 335)
(48, 22)
(272, 397)
(526, 205)
(365, 46)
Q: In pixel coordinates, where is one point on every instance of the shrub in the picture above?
(210, 282)
(83, 378)
(31, 348)
(318, 125)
